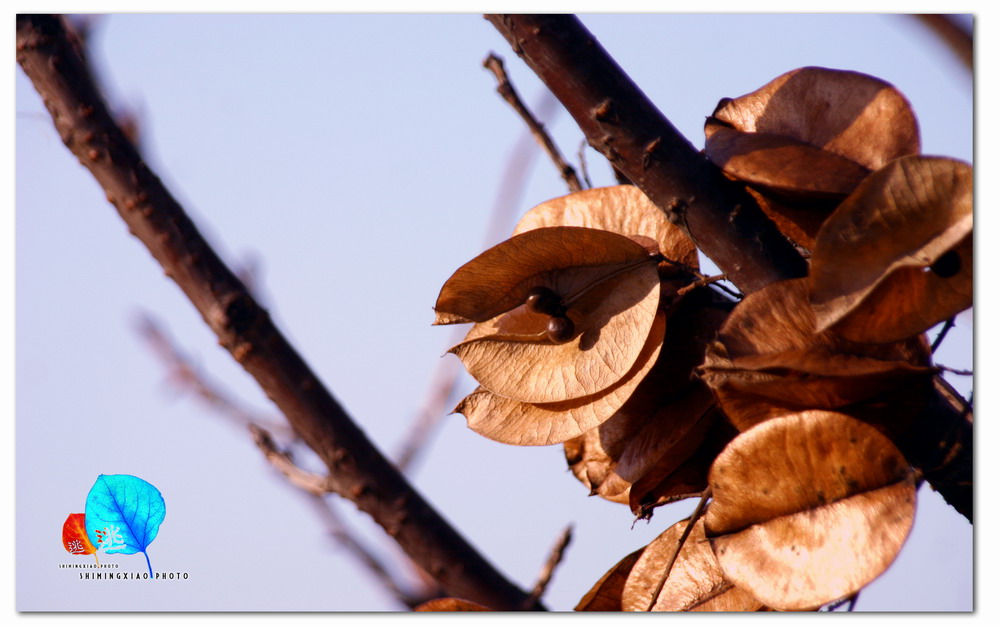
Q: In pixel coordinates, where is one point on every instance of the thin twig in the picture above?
(507, 92)
(948, 325)
(703, 281)
(850, 601)
(582, 157)
(311, 483)
(702, 278)
(955, 371)
(555, 557)
(184, 372)
(680, 545)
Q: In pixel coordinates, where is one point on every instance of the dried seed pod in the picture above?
(560, 329)
(545, 301)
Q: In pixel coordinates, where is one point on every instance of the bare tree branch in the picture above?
(624, 126)
(508, 93)
(358, 471)
(723, 221)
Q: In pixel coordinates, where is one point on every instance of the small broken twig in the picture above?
(582, 156)
(312, 483)
(680, 545)
(507, 92)
(948, 325)
(555, 557)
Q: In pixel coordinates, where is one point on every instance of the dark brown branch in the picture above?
(941, 441)
(725, 223)
(958, 39)
(358, 471)
(507, 92)
(624, 126)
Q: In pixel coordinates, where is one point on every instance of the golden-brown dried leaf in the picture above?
(564, 259)
(695, 584)
(450, 604)
(511, 356)
(641, 439)
(768, 359)
(623, 209)
(856, 116)
(808, 508)
(661, 424)
(666, 482)
(521, 423)
(782, 164)
(606, 595)
(880, 268)
(800, 221)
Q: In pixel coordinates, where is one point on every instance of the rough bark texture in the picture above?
(725, 223)
(357, 470)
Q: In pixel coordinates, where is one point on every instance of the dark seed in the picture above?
(948, 265)
(545, 301)
(560, 329)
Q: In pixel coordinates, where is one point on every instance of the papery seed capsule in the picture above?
(545, 301)
(560, 329)
(949, 264)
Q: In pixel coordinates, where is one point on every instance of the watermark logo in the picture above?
(122, 516)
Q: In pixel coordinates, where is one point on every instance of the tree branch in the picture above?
(724, 222)
(357, 470)
(624, 126)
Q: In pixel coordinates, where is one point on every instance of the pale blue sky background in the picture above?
(358, 158)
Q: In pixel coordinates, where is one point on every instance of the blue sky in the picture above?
(357, 158)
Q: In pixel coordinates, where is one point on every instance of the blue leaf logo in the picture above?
(124, 514)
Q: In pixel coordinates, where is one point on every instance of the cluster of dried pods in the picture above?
(592, 329)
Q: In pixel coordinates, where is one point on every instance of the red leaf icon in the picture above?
(74, 536)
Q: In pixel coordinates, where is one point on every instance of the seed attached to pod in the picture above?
(560, 329)
(545, 301)
(948, 265)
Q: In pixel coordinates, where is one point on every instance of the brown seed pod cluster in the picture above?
(784, 410)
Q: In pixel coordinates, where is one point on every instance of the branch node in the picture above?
(603, 110)
(649, 152)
